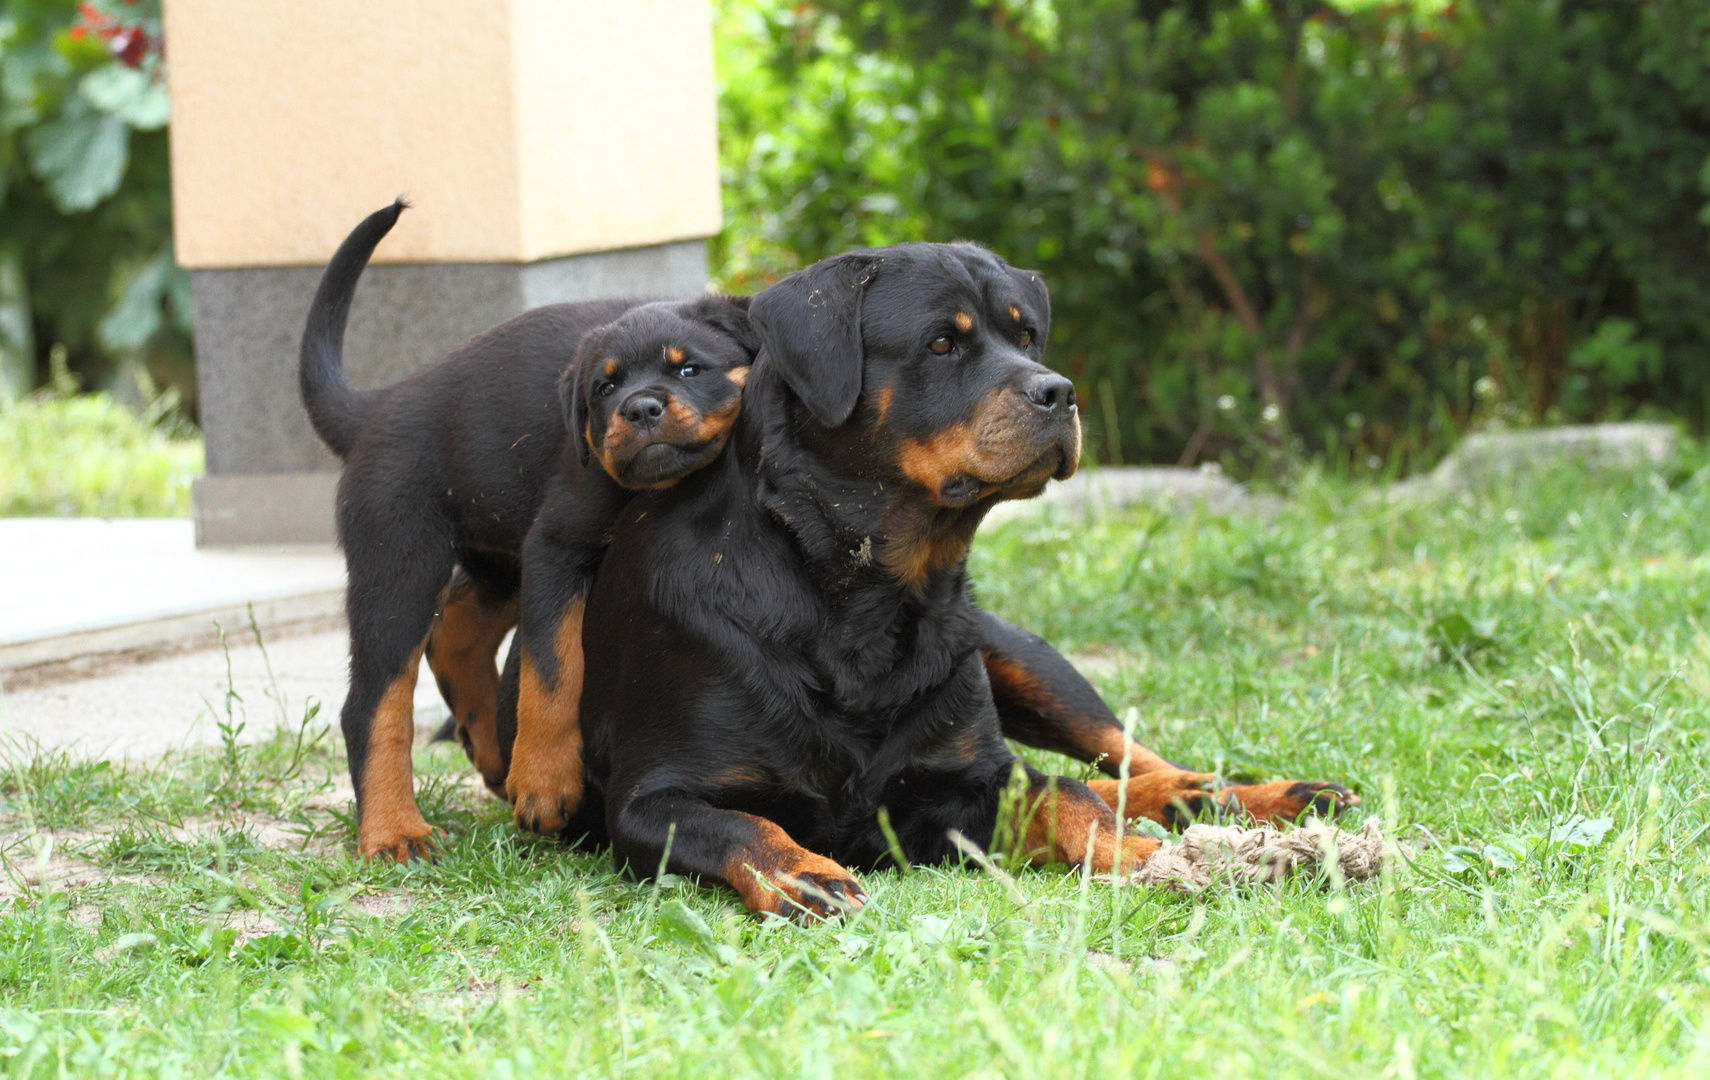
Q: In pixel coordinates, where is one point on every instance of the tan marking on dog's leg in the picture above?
(1069, 825)
(812, 886)
(462, 650)
(392, 825)
(545, 782)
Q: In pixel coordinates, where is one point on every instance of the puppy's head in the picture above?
(922, 364)
(654, 394)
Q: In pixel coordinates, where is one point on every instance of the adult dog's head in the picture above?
(654, 394)
(920, 367)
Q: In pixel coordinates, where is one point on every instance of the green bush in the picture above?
(85, 203)
(84, 455)
(1354, 227)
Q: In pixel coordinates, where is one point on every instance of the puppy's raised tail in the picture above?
(337, 411)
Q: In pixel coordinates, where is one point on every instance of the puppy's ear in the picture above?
(1032, 284)
(810, 325)
(572, 400)
(729, 316)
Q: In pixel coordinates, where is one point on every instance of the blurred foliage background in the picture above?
(1344, 229)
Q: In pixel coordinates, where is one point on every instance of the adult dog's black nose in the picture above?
(1051, 391)
(643, 410)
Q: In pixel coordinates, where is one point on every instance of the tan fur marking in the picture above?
(610, 368)
(461, 649)
(675, 355)
(1090, 738)
(997, 445)
(964, 321)
(618, 432)
(1067, 821)
(545, 782)
(1015, 313)
(775, 857)
(1153, 794)
(882, 405)
(717, 424)
(738, 375)
(392, 826)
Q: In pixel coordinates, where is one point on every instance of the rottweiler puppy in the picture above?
(447, 469)
(782, 643)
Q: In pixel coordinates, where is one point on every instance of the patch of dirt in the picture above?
(382, 905)
(22, 871)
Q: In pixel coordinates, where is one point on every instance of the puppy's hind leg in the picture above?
(390, 600)
(474, 617)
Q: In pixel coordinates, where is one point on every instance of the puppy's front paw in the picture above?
(402, 844)
(546, 798)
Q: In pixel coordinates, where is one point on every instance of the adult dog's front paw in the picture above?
(1288, 800)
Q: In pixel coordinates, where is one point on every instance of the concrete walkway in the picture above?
(109, 636)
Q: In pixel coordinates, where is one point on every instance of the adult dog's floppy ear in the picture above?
(810, 325)
(571, 393)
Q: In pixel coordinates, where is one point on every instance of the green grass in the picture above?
(84, 455)
(1517, 684)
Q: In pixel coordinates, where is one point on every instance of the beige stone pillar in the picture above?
(553, 150)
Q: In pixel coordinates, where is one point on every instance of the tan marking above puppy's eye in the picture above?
(611, 368)
(964, 321)
(674, 354)
(1015, 313)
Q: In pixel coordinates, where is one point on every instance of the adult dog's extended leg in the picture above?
(395, 581)
(1063, 821)
(474, 617)
(1044, 702)
(771, 872)
(1175, 797)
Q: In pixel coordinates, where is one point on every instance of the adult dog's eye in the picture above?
(689, 371)
(604, 389)
(941, 346)
(1026, 338)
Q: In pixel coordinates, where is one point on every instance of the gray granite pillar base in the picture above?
(269, 478)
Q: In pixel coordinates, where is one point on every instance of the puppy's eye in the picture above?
(604, 389)
(941, 346)
(1026, 338)
(689, 371)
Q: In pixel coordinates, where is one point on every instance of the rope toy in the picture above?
(1207, 853)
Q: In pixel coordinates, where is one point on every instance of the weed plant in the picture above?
(1515, 680)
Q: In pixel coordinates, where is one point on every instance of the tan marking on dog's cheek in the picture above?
(930, 462)
(882, 406)
(682, 414)
(718, 423)
(737, 376)
(964, 321)
(618, 432)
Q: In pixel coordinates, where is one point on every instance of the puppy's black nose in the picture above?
(1050, 391)
(643, 410)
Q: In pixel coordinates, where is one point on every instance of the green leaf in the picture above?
(281, 1022)
(1581, 831)
(681, 922)
(131, 94)
(137, 315)
(81, 155)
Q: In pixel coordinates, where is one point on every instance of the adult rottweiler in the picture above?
(1041, 699)
(783, 643)
(447, 469)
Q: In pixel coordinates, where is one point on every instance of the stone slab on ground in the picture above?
(1489, 456)
(1111, 487)
(84, 587)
